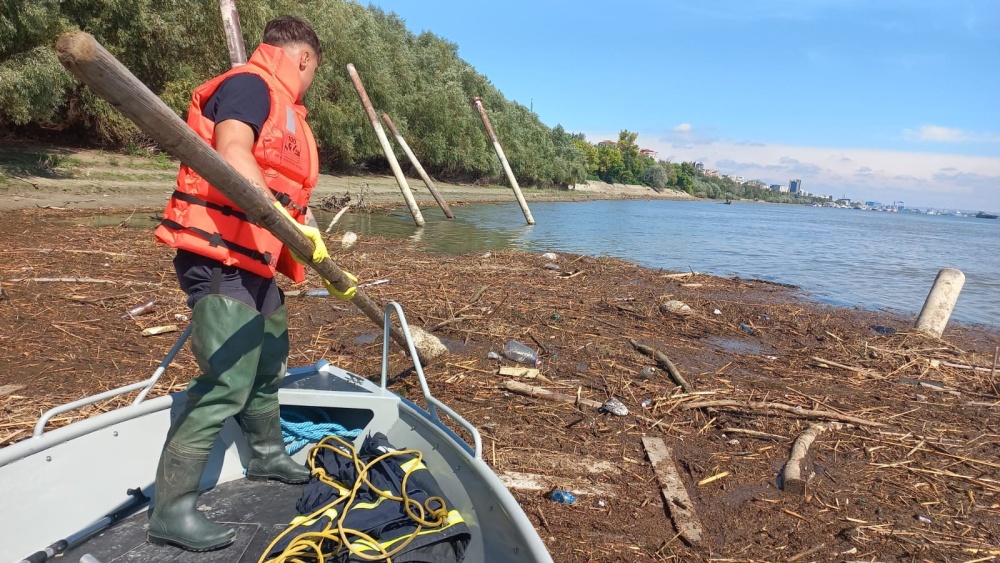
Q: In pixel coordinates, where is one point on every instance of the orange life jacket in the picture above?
(199, 218)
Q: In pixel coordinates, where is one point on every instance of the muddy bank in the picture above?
(912, 477)
(47, 177)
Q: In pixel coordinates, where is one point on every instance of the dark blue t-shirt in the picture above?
(243, 97)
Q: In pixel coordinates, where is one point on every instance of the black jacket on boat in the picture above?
(383, 519)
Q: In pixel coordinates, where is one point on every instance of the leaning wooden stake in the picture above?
(416, 165)
(503, 161)
(675, 495)
(234, 33)
(791, 477)
(85, 58)
(404, 187)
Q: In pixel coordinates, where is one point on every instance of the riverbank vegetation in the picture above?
(418, 79)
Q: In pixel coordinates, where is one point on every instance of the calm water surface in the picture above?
(845, 257)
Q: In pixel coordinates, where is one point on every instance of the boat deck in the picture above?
(257, 510)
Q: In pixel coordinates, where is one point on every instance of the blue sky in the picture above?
(875, 99)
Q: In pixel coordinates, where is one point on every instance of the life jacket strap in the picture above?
(215, 239)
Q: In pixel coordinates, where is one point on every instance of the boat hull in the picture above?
(57, 485)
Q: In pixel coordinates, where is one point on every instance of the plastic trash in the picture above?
(140, 309)
(615, 407)
(646, 403)
(520, 353)
(883, 329)
(321, 292)
(716, 312)
(924, 520)
(555, 316)
(349, 239)
(562, 497)
(493, 356)
(181, 317)
(550, 256)
(551, 266)
(676, 308)
(647, 372)
(747, 329)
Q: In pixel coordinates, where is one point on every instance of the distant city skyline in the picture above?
(895, 100)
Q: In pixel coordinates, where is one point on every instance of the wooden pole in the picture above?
(416, 164)
(86, 59)
(234, 33)
(418, 218)
(503, 161)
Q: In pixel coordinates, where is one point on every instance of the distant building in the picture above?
(776, 187)
(649, 152)
(712, 173)
(699, 166)
(795, 186)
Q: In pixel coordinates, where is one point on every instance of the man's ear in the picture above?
(304, 57)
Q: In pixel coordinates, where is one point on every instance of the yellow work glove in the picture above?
(312, 233)
(344, 295)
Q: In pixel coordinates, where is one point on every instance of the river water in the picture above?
(844, 257)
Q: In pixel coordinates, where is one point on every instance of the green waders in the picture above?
(242, 358)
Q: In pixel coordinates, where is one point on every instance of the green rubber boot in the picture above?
(176, 519)
(226, 341)
(260, 419)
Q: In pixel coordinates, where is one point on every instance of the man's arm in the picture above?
(234, 142)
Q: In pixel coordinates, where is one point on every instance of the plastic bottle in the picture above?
(521, 353)
(562, 497)
(140, 310)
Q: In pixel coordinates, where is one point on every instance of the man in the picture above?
(254, 117)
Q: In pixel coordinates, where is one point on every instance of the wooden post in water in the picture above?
(416, 164)
(940, 302)
(503, 161)
(418, 218)
(234, 33)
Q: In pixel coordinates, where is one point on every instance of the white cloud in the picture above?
(939, 134)
(920, 179)
(683, 128)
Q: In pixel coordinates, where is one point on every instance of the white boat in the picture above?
(80, 491)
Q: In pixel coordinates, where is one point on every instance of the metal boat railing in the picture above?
(146, 385)
(433, 404)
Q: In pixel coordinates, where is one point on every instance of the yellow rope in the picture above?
(307, 547)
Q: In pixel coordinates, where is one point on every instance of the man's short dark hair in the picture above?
(287, 30)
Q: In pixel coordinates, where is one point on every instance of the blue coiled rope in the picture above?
(299, 429)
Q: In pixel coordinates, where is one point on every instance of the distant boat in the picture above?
(985, 215)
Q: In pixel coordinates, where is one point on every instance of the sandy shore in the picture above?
(88, 179)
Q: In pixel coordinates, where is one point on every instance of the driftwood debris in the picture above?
(665, 363)
(84, 280)
(755, 434)
(675, 495)
(791, 476)
(797, 411)
(540, 393)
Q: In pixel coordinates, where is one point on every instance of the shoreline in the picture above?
(64, 178)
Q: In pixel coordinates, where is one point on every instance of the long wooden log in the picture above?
(86, 59)
(233, 32)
